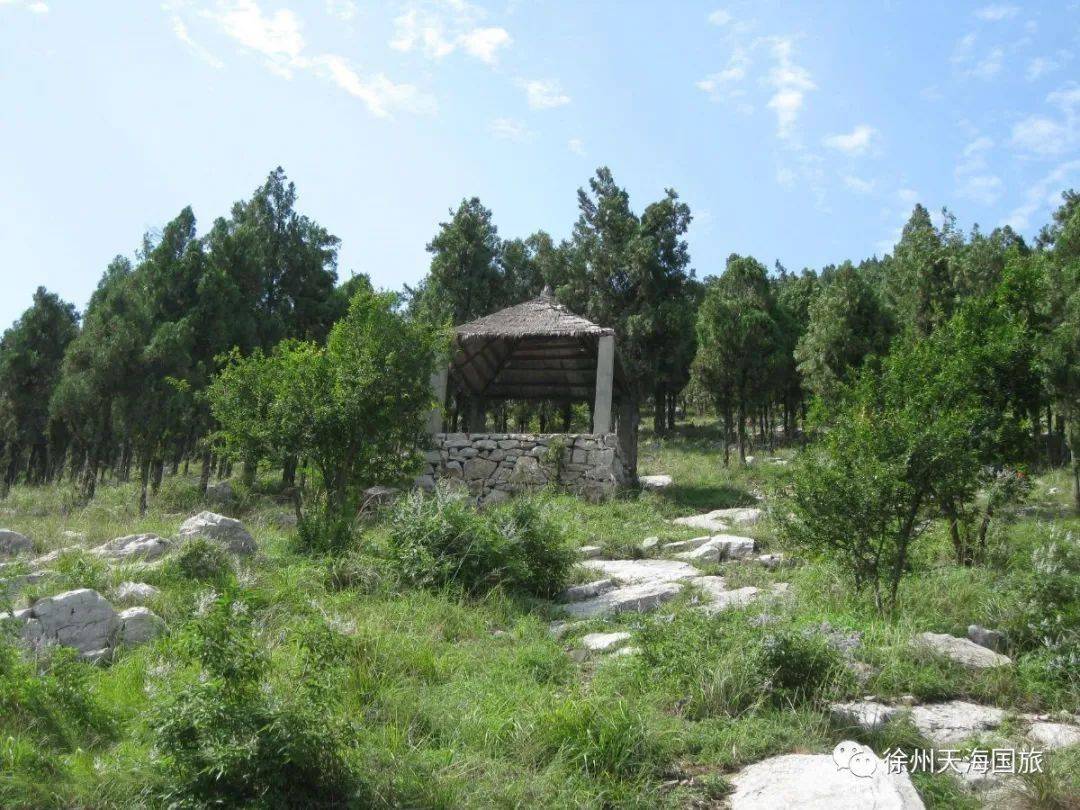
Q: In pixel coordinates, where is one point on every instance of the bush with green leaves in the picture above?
(442, 539)
(225, 735)
(800, 665)
(1048, 622)
(204, 560)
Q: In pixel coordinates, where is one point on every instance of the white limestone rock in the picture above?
(12, 543)
(649, 543)
(82, 619)
(687, 545)
(134, 547)
(591, 552)
(640, 598)
(865, 714)
(135, 592)
(955, 720)
(604, 642)
(1051, 736)
(815, 782)
(740, 516)
(225, 530)
(718, 597)
(961, 650)
(643, 570)
(720, 547)
(579, 593)
(138, 625)
(709, 521)
(655, 482)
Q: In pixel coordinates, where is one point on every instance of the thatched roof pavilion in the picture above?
(536, 350)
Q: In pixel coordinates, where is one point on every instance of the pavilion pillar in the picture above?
(438, 390)
(605, 378)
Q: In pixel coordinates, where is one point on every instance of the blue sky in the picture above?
(799, 132)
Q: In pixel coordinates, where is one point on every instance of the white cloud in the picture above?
(543, 94)
(34, 6)
(974, 63)
(856, 142)
(1043, 65)
(785, 176)
(858, 184)
(790, 83)
(982, 188)
(276, 36)
(1039, 135)
(577, 146)
(509, 129)
(726, 84)
(381, 95)
(1045, 195)
(182, 34)
(344, 10)
(997, 12)
(439, 27)
(989, 66)
(719, 17)
(908, 196)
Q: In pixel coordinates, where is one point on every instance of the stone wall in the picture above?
(495, 465)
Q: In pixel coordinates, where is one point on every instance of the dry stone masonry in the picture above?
(496, 465)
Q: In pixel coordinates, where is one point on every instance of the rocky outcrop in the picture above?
(955, 720)
(134, 547)
(720, 547)
(227, 531)
(12, 543)
(138, 625)
(720, 520)
(135, 592)
(849, 781)
(654, 483)
(638, 598)
(960, 650)
(643, 570)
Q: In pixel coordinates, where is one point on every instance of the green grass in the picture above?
(467, 701)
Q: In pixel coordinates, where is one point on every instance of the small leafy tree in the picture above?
(354, 410)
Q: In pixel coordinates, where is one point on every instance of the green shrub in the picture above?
(204, 560)
(226, 736)
(441, 539)
(80, 569)
(323, 532)
(1048, 620)
(800, 666)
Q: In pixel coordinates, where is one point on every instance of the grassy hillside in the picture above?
(434, 698)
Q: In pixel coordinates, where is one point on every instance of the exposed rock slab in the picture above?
(1051, 736)
(12, 543)
(720, 547)
(708, 521)
(865, 714)
(814, 782)
(687, 545)
(640, 598)
(225, 530)
(134, 547)
(588, 590)
(961, 650)
(655, 482)
(955, 720)
(643, 570)
(604, 642)
(591, 552)
(991, 639)
(719, 598)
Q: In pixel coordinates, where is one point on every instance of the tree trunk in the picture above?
(288, 472)
(204, 474)
(156, 472)
(659, 400)
(144, 476)
(250, 468)
(741, 428)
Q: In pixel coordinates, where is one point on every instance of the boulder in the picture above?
(655, 482)
(138, 625)
(720, 547)
(1050, 736)
(955, 720)
(221, 492)
(639, 598)
(818, 782)
(12, 543)
(134, 547)
(719, 598)
(604, 642)
(82, 619)
(225, 530)
(961, 650)
(135, 592)
(709, 522)
(687, 545)
(868, 715)
(643, 570)
(739, 516)
(579, 593)
(991, 639)
(591, 552)
(649, 543)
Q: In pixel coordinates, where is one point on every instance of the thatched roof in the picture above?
(543, 316)
(535, 350)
